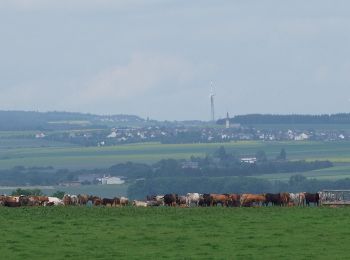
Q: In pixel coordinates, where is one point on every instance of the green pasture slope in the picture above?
(98, 157)
(174, 233)
(71, 157)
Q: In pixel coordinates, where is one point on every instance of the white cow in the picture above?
(124, 201)
(138, 203)
(75, 199)
(294, 198)
(192, 198)
(298, 199)
(55, 201)
(160, 199)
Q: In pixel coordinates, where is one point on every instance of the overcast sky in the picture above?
(156, 58)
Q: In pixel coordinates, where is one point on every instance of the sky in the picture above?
(156, 58)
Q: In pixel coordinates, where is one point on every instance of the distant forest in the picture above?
(40, 121)
(46, 121)
(342, 118)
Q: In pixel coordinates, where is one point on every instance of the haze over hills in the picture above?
(56, 120)
(32, 120)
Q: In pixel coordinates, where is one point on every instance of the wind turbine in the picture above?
(212, 95)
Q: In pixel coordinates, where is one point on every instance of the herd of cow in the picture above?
(234, 200)
(67, 200)
(189, 200)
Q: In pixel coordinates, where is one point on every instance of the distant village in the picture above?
(189, 134)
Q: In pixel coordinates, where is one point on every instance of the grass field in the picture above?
(94, 157)
(74, 157)
(174, 233)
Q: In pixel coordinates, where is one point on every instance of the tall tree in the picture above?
(282, 155)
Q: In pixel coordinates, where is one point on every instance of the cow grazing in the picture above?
(192, 198)
(298, 199)
(74, 199)
(274, 199)
(38, 200)
(312, 198)
(160, 199)
(248, 200)
(110, 202)
(96, 201)
(170, 199)
(138, 203)
(285, 198)
(181, 200)
(234, 200)
(83, 199)
(124, 201)
(216, 199)
(204, 200)
(53, 201)
(67, 201)
(11, 201)
(154, 203)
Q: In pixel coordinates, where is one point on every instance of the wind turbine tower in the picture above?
(212, 95)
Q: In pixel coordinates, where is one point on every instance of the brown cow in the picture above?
(248, 200)
(38, 200)
(234, 200)
(285, 198)
(83, 199)
(11, 201)
(96, 201)
(215, 199)
(67, 200)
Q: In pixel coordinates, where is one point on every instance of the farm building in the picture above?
(111, 180)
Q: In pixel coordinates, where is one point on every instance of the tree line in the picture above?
(341, 118)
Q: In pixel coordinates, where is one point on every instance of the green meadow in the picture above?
(80, 157)
(43, 153)
(174, 233)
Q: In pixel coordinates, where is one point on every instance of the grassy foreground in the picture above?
(175, 233)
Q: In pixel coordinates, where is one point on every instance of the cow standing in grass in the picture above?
(96, 201)
(221, 199)
(83, 199)
(192, 198)
(170, 199)
(312, 198)
(234, 200)
(248, 200)
(124, 201)
(274, 199)
(138, 203)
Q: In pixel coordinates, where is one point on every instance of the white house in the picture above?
(248, 160)
(112, 135)
(111, 180)
(40, 135)
(301, 137)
